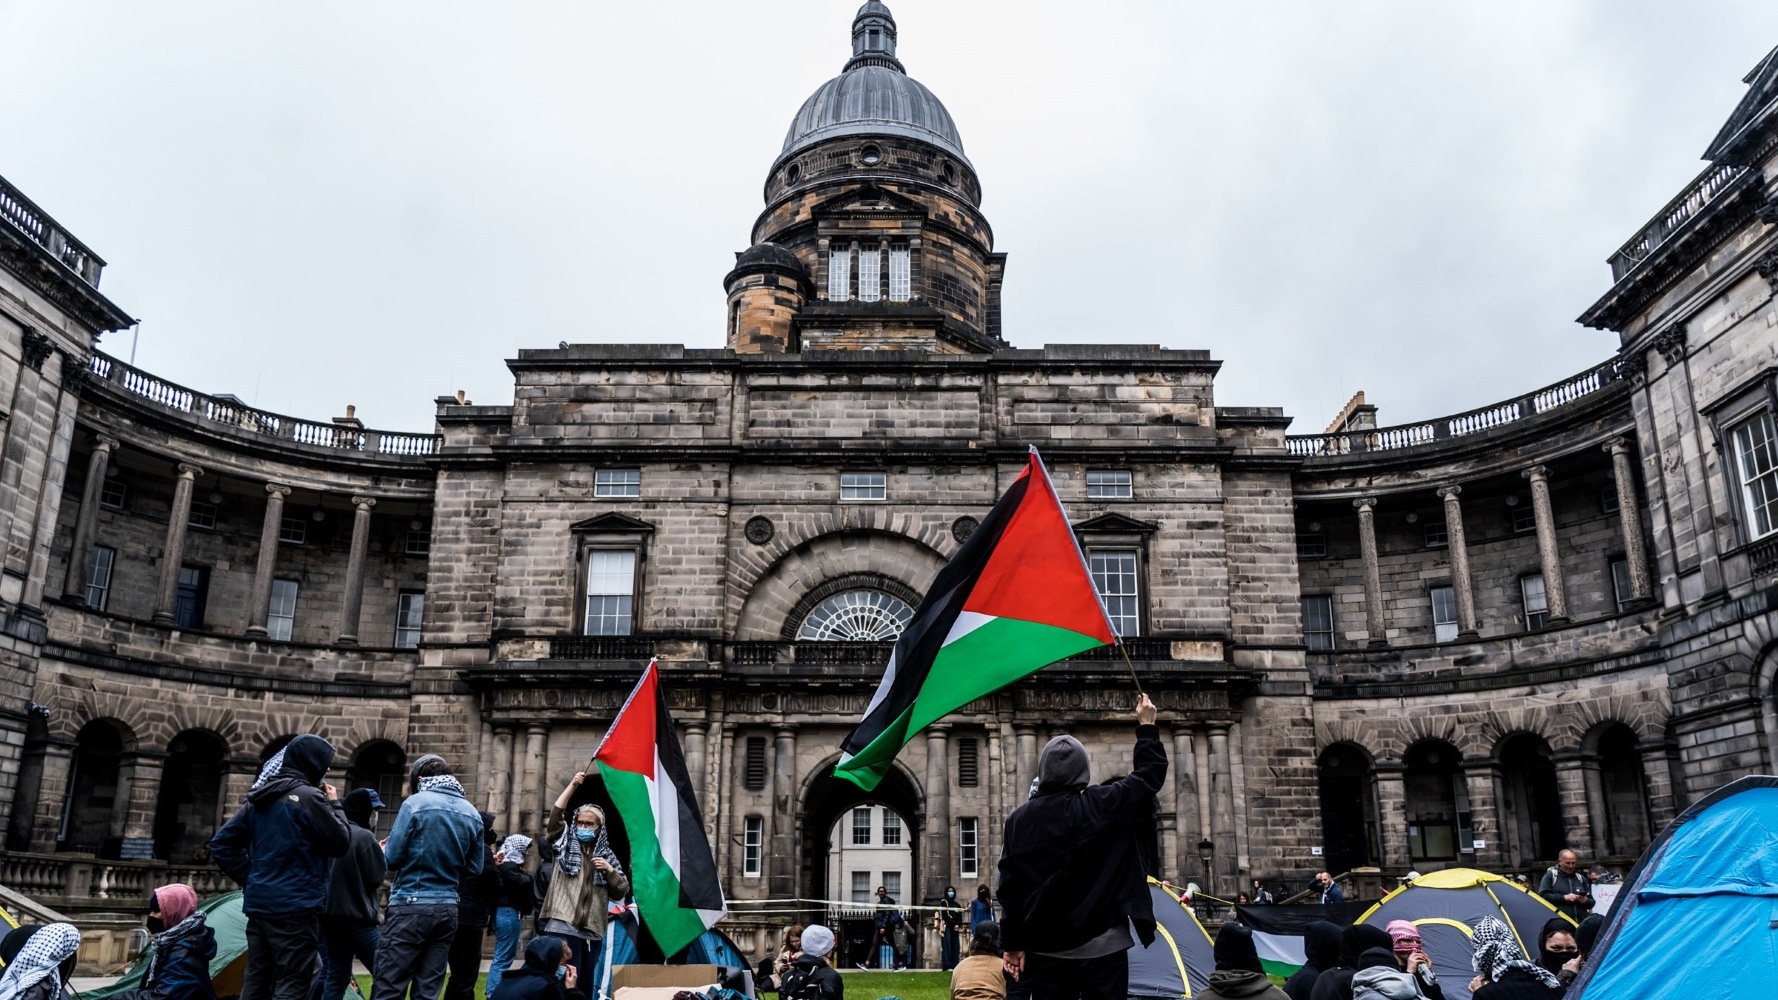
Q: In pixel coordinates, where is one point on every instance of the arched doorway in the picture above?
(1437, 803)
(381, 766)
(1348, 808)
(1532, 807)
(868, 847)
(191, 788)
(89, 811)
(1625, 792)
(828, 810)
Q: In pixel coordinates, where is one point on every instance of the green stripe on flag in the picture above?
(652, 880)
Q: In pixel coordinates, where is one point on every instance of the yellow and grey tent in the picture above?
(1445, 906)
(1179, 962)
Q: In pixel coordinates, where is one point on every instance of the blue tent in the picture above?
(1698, 917)
(712, 947)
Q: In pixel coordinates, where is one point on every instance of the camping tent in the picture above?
(712, 947)
(1699, 914)
(223, 914)
(1179, 962)
(1446, 905)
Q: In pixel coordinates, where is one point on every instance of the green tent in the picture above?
(223, 914)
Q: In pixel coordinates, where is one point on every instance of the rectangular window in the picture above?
(1318, 624)
(1524, 519)
(1537, 604)
(113, 493)
(194, 590)
(410, 608)
(861, 888)
(280, 616)
(419, 542)
(891, 829)
(870, 275)
(1608, 498)
(1620, 582)
(901, 275)
(98, 576)
(839, 275)
(1311, 546)
(1444, 614)
(610, 592)
(892, 882)
(861, 826)
(1108, 484)
(292, 531)
(203, 515)
(968, 762)
(1436, 537)
(864, 486)
(753, 838)
(617, 483)
(1114, 573)
(1756, 459)
(754, 774)
(968, 847)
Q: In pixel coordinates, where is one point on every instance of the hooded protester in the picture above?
(1502, 973)
(277, 849)
(1380, 978)
(1321, 951)
(182, 947)
(42, 968)
(1585, 936)
(546, 974)
(575, 889)
(435, 843)
(349, 918)
(1355, 940)
(1556, 946)
(1071, 876)
(1238, 972)
(810, 977)
(1411, 957)
(513, 902)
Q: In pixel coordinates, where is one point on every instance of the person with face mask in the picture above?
(546, 975)
(435, 843)
(181, 949)
(950, 922)
(576, 888)
(1556, 946)
(42, 968)
(349, 917)
(1501, 970)
(277, 848)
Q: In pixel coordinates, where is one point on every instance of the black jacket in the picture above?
(276, 848)
(515, 891)
(1518, 985)
(811, 979)
(353, 882)
(536, 979)
(1071, 868)
(180, 968)
(1321, 949)
(476, 893)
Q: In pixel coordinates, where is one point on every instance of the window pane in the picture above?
(188, 606)
(839, 275)
(610, 586)
(1620, 582)
(892, 882)
(1537, 607)
(861, 826)
(1114, 573)
(891, 829)
(1758, 463)
(861, 888)
(292, 531)
(617, 483)
(870, 276)
(753, 840)
(410, 609)
(1311, 546)
(1318, 625)
(281, 616)
(1444, 614)
(112, 493)
(864, 486)
(1108, 484)
(900, 276)
(1524, 519)
(419, 543)
(1436, 537)
(98, 576)
(203, 515)
(968, 863)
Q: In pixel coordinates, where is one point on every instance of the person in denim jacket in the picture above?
(435, 844)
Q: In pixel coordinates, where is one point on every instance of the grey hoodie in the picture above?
(1064, 765)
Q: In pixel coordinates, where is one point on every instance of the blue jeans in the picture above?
(506, 945)
(341, 945)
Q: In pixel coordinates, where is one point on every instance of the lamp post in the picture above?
(1206, 854)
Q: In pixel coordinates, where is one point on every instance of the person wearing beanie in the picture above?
(436, 842)
(1321, 951)
(981, 976)
(1238, 972)
(277, 849)
(349, 917)
(183, 947)
(810, 976)
(1355, 940)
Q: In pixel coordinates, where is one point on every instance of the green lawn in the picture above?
(859, 985)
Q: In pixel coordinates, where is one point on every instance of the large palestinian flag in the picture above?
(672, 873)
(1016, 598)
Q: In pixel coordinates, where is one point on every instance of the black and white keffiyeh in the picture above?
(1497, 952)
(41, 957)
(270, 768)
(441, 781)
(514, 847)
(568, 850)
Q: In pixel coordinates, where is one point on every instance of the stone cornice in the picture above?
(53, 280)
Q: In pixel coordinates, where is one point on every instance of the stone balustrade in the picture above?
(80, 882)
(37, 226)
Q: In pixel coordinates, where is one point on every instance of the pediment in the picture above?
(613, 523)
(870, 200)
(1755, 107)
(1116, 523)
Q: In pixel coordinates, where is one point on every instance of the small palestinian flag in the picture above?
(1016, 598)
(672, 872)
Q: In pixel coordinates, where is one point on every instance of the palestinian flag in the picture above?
(1278, 932)
(672, 873)
(1016, 598)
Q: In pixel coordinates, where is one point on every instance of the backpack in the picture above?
(800, 983)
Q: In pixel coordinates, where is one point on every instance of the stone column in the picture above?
(1630, 519)
(731, 850)
(1374, 622)
(1222, 812)
(1599, 816)
(1571, 792)
(1392, 814)
(260, 601)
(992, 826)
(1657, 777)
(1482, 776)
(166, 597)
(133, 815)
(1547, 551)
(1466, 624)
(52, 794)
(1190, 825)
(782, 863)
(1168, 804)
(87, 527)
(530, 808)
(938, 811)
(1027, 737)
(353, 603)
(694, 760)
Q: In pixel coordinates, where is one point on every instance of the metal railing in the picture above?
(1487, 418)
(803, 653)
(39, 228)
(237, 416)
(602, 647)
(1673, 217)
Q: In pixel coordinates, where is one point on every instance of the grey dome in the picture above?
(768, 255)
(874, 96)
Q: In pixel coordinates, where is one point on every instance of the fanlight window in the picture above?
(857, 616)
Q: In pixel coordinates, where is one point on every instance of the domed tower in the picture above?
(874, 199)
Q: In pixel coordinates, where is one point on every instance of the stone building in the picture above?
(1471, 640)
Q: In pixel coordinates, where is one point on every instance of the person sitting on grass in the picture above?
(981, 976)
(546, 975)
(810, 977)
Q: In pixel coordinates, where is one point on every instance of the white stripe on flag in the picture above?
(665, 797)
(1286, 949)
(967, 622)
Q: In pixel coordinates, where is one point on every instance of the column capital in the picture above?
(785, 730)
(278, 490)
(503, 729)
(105, 442)
(189, 471)
(1024, 729)
(1365, 504)
(1449, 493)
(536, 729)
(364, 503)
(938, 729)
(1537, 474)
(1619, 445)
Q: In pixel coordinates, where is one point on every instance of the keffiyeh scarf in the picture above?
(1496, 954)
(568, 853)
(514, 847)
(41, 957)
(439, 781)
(270, 769)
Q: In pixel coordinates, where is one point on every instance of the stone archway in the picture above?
(826, 799)
(1347, 787)
(186, 811)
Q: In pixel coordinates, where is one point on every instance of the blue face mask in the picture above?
(561, 971)
(585, 836)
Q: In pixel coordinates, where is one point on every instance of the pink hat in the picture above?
(176, 902)
(1400, 930)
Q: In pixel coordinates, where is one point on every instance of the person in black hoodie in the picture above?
(1321, 949)
(350, 916)
(276, 848)
(810, 977)
(476, 895)
(546, 975)
(1336, 983)
(1238, 974)
(1071, 876)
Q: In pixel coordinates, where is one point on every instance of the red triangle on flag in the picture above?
(629, 743)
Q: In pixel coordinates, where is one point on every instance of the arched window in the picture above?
(1437, 801)
(1348, 808)
(857, 616)
(1533, 813)
(91, 805)
(1625, 792)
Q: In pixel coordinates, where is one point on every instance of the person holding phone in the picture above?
(1410, 955)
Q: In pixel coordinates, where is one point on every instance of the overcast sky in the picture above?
(316, 204)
